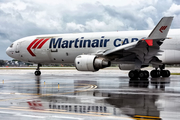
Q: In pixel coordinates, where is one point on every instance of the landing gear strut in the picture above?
(38, 72)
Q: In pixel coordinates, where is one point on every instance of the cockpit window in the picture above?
(11, 45)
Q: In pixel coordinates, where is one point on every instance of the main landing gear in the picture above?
(158, 73)
(38, 72)
(134, 74)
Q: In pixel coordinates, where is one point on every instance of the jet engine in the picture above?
(91, 63)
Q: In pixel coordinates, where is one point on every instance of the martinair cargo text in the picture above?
(132, 50)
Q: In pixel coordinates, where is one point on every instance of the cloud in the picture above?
(173, 10)
(75, 27)
(150, 23)
(21, 18)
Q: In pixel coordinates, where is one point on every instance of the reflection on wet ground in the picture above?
(88, 96)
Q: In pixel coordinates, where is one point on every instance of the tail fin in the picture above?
(161, 29)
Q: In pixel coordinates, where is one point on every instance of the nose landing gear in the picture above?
(38, 72)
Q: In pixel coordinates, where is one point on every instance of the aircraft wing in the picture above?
(146, 48)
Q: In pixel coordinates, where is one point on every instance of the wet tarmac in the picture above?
(73, 95)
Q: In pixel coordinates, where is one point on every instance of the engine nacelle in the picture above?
(126, 66)
(90, 63)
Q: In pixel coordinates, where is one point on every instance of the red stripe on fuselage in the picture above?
(29, 47)
(43, 42)
(37, 43)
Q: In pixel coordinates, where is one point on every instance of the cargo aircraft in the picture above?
(132, 50)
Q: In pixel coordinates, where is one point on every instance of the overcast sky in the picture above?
(21, 18)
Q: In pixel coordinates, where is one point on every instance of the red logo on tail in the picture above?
(36, 42)
(162, 28)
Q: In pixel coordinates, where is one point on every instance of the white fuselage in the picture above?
(64, 48)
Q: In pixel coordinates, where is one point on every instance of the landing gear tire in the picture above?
(133, 74)
(155, 73)
(143, 74)
(165, 73)
(37, 73)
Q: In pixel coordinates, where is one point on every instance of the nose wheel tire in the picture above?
(37, 73)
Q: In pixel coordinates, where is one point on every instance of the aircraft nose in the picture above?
(8, 52)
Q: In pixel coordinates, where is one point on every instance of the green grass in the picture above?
(175, 73)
